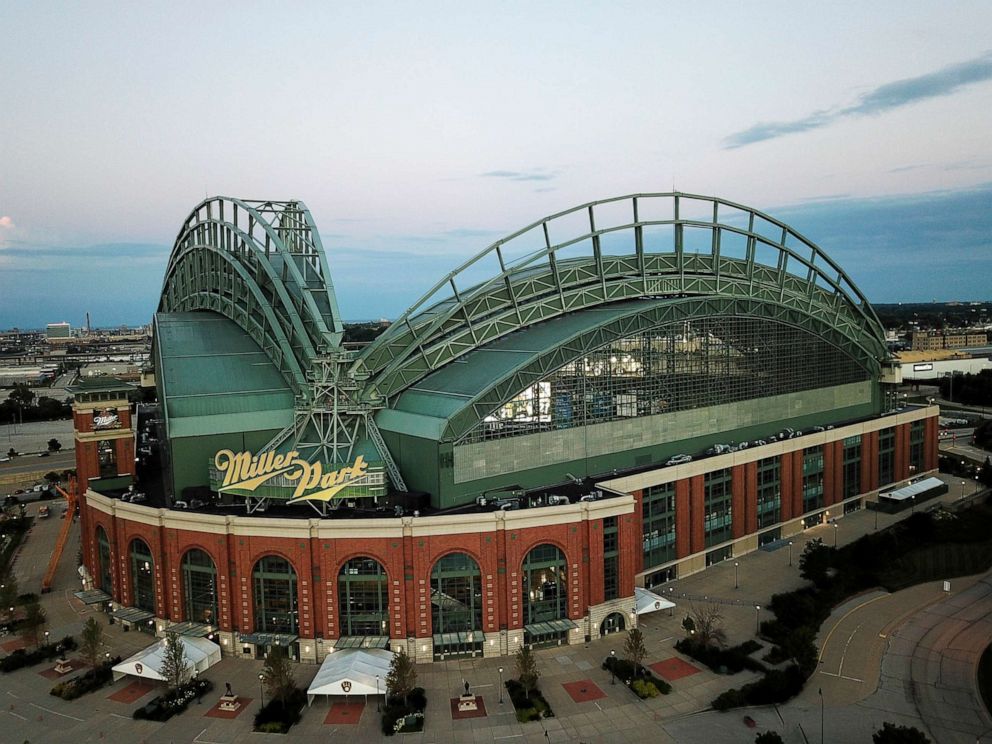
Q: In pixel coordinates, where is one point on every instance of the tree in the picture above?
(633, 647)
(11, 452)
(527, 672)
(892, 734)
(706, 622)
(8, 595)
(54, 445)
(402, 676)
(278, 675)
(815, 561)
(985, 476)
(34, 623)
(91, 641)
(52, 477)
(768, 737)
(175, 665)
(22, 395)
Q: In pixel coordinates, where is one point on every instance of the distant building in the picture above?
(949, 339)
(58, 332)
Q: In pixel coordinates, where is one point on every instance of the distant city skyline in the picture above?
(419, 135)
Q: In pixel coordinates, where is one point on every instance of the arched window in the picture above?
(108, 458)
(456, 594)
(545, 585)
(363, 598)
(199, 587)
(142, 575)
(104, 577)
(275, 595)
(612, 623)
(456, 606)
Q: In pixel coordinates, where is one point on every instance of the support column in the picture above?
(743, 509)
(697, 513)
(683, 523)
(786, 487)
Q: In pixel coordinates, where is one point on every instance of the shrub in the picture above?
(776, 686)
(528, 707)
(93, 679)
(397, 708)
(628, 673)
(644, 689)
(21, 658)
(722, 660)
(284, 714)
(174, 701)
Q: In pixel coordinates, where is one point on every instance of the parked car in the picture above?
(718, 449)
(678, 460)
(43, 512)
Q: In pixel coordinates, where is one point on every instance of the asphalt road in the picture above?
(32, 463)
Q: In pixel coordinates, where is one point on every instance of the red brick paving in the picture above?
(457, 715)
(216, 712)
(13, 644)
(583, 691)
(674, 668)
(344, 714)
(130, 693)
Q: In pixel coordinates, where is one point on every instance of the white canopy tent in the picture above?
(647, 601)
(351, 671)
(201, 654)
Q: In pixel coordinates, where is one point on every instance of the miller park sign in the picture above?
(245, 473)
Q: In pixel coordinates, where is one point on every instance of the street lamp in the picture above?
(613, 667)
(912, 504)
(962, 489)
(261, 689)
(500, 670)
(736, 574)
(757, 619)
(46, 637)
(790, 553)
(377, 693)
(835, 533)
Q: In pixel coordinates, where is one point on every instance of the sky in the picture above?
(419, 133)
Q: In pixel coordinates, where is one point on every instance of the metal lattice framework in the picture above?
(643, 245)
(637, 320)
(261, 264)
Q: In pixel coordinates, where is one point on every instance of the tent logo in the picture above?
(346, 686)
(138, 668)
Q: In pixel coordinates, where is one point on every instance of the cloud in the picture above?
(538, 174)
(6, 222)
(942, 82)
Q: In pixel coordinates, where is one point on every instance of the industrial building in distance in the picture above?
(611, 398)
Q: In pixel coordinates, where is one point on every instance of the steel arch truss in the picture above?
(570, 262)
(638, 320)
(261, 264)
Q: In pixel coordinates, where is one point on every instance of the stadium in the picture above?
(607, 400)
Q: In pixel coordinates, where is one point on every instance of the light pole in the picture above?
(962, 489)
(912, 504)
(835, 533)
(377, 693)
(613, 667)
(736, 575)
(757, 619)
(261, 689)
(46, 637)
(790, 553)
(500, 670)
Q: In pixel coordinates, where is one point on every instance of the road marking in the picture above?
(841, 676)
(127, 718)
(198, 740)
(56, 713)
(511, 736)
(17, 715)
(666, 639)
(842, 619)
(13, 695)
